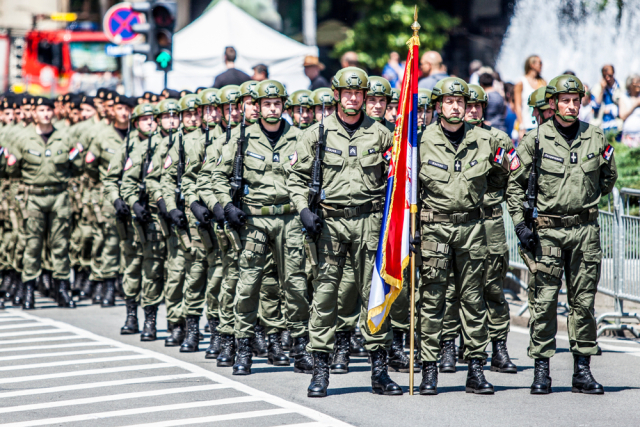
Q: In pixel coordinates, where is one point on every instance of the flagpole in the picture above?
(415, 27)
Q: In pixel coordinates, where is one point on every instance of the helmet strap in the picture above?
(476, 121)
(188, 129)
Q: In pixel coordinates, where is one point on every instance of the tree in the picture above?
(385, 27)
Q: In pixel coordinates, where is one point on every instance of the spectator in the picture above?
(232, 76)
(349, 59)
(474, 71)
(260, 73)
(525, 87)
(630, 112)
(432, 68)
(496, 110)
(393, 70)
(510, 118)
(586, 112)
(312, 68)
(603, 101)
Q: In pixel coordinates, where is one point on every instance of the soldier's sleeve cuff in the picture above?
(301, 204)
(517, 218)
(224, 199)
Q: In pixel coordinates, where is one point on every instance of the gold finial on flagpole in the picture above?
(415, 26)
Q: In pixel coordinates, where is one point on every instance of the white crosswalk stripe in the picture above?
(122, 389)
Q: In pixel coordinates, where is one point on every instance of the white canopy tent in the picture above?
(198, 51)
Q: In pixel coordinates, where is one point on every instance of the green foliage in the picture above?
(628, 164)
(385, 27)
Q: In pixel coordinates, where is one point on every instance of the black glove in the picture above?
(201, 212)
(142, 214)
(311, 222)
(414, 242)
(178, 218)
(162, 207)
(526, 237)
(235, 216)
(122, 210)
(218, 213)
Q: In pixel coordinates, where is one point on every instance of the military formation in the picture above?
(261, 210)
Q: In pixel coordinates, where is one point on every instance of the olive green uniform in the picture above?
(572, 179)
(453, 184)
(46, 168)
(497, 264)
(354, 180)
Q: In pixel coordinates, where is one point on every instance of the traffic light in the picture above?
(158, 31)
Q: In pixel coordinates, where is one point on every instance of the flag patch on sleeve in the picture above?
(128, 164)
(150, 168)
(514, 160)
(294, 158)
(11, 160)
(608, 152)
(73, 153)
(89, 158)
(499, 155)
(168, 161)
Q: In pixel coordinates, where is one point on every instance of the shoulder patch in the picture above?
(73, 153)
(128, 164)
(11, 160)
(514, 160)
(80, 147)
(89, 158)
(608, 152)
(150, 168)
(168, 161)
(499, 155)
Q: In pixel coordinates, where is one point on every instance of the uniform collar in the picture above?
(366, 128)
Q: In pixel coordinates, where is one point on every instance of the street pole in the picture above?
(166, 75)
(309, 22)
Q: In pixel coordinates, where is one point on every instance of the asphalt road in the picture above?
(65, 367)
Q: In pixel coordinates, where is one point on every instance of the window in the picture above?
(90, 57)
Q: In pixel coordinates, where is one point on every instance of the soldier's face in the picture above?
(302, 115)
(109, 110)
(376, 106)
(548, 113)
(18, 115)
(235, 113)
(43, 115)
(192, 118)
(451, 106)
(425, 117)
(26, 113)
(328, 110)
(473, 112)
(271, 107)
(99, 106)
(251, 111)
(122, 113)
(7, 116)
(568, 104)
(87, 111)
(392, 112)
(351, 99)
(74, 116)
(146, 123)
(211, 113)
(170, 121)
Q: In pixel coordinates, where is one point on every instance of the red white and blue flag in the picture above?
(393, 255)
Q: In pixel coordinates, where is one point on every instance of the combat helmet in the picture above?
(142, 110)
(538, 100)
(301, 98)
(209, 97)
(229, 94)
(424, 98)
(477, 95)
(565, 83)
(248, 88)
(395, 96)
(168, 105)
(379, 86)
(271, 89)
(450, 86)
(350, 78)
(322, 94)
(189, 102)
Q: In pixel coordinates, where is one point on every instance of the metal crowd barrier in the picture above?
(620, 268)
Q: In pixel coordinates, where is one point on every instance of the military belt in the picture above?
(563, 221)
(430, 216)
(442, 248)
(338, 211)
(269, 210)
(49, 189)
(493, 212)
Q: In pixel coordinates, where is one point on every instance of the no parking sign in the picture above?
(117, 24)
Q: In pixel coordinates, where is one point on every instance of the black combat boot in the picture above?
(109, 298)
(244, 359)
(476, 383)
(320, 379)
(448, 357)
(78, 277)
(213, 350)
(49, 285)
(500, 361)
(5, 287)
(297, 347)
(2, 305)
(461, 358)
(227, 356)
(64, 295)
(541, 377)
(341, 353)
(276, 355)
(119, 288)
(583, 381)
(86, 290)
(149, 327)
(192, 340)
(18, 294)
(177, 335)
(286, 340)
(381, 383)
(260, 345)
(29, 295)
(398, 360)
(97, 292)
(303, 362)
(11, 278)
(429, 384)
(356, 347)
(131, 323)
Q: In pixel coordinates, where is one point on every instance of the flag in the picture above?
(393, 255)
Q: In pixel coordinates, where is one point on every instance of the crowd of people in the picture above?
(260, 210)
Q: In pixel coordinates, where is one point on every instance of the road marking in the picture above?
(116, 383)
(11, 319)
(51, 347)
(216, 418)
(21, 325)
(62, 353)
(134, 411)
(22, 333)
(46, 339)
(73, 362)
(112, 397)
(304, 425)
(87, 372)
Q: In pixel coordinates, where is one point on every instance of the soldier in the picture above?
(558, 229)
(392, 106)
(347, 222)
(46, 161)
(425, 109)
(497, 262)
(540, 104)
(301, 108)
(378, 97)
(251, 113)
(317, 96)
(459, 163)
